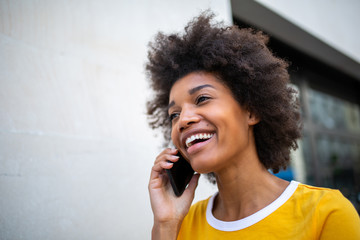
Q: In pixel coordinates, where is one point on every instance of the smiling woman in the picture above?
(224, 100)
(208, 108)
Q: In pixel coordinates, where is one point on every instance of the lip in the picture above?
(194, 132)
(198, 146)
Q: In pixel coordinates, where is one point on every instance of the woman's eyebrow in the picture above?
(198, 88)
(172, 103)
(192, 91)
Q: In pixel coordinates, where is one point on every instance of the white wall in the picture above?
(75, 148)
(334, 22)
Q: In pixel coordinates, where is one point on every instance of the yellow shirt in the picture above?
(301, 212)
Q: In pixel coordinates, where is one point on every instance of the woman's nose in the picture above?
(188, 116)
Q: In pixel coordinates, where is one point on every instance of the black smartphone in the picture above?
(180, 175)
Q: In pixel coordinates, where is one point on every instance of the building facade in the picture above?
(327, 77)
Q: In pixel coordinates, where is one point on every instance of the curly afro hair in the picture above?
(241, 59)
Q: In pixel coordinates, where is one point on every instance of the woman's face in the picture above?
(209, 127)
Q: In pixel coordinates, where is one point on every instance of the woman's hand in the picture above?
(169, 210)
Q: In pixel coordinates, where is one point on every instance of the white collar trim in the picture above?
(252, 219)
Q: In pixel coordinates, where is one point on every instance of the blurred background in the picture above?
(75, 148)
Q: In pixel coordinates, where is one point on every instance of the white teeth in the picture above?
(189, 140)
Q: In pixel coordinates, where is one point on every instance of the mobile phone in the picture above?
(180, 175)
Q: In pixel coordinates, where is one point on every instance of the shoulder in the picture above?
(335, 214)
(194, 222)
(325, 200)
(325, 197)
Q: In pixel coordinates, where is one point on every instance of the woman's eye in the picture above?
(201, 99)
(173, 116)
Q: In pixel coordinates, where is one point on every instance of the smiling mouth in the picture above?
(196, 138)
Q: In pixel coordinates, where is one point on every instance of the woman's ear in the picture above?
(253, 119)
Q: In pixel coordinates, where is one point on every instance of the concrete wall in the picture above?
(75, 148)
(334, 22)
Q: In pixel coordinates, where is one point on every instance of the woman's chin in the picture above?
(201, 168)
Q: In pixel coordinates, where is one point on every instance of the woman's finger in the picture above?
(166, 154)
(190, 190)
(166, 162)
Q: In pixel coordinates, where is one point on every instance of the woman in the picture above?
(225, 100)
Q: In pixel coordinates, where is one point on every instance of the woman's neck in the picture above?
(244, 189)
